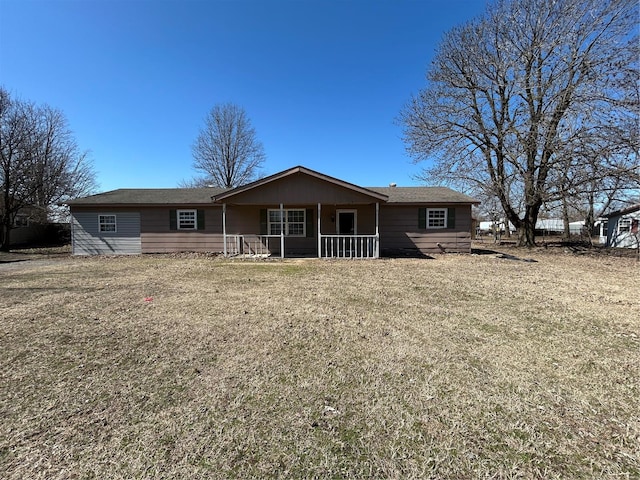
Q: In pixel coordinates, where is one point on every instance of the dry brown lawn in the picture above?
(464, 366)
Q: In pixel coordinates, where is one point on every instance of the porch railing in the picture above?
(259, 244)
(349, 246)
(233, 245)
(251, 244)
(331, 246)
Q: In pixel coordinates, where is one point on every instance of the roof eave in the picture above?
(135, 205)
(623, 211)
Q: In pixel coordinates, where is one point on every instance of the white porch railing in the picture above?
(349, 246)
(251, 244)
(259, 244)
(331, 246)
(233, 245)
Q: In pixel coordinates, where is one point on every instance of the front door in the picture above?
(347, 222)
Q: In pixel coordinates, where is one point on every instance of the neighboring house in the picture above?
(622, 227)
(29, 226)
(297, 212)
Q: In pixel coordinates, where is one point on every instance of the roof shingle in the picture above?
(423, 195)
(150, 196)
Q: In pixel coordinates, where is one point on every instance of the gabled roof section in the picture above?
(624, 211)
(295, 170)
(425, 195)
(149, 196)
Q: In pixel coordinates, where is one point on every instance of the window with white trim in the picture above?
(436, 218)
(187, 219)
(624, 225)
(294, 222)
(107, 223)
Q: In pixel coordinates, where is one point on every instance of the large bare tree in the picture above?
(227, 150)
(516, 96)
(40, 163)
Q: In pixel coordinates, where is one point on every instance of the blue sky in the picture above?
(321, 81)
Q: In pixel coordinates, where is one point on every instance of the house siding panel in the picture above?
(399, 231)
(157, 236)
(87, 240)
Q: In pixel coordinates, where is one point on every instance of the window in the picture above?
(192, 220)
(436, 218)
(21, 220)
(107, 223)
(294, 222)
(274, 222)
(624, 225)
(187, 220)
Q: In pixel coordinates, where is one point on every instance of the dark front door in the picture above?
(346, 223)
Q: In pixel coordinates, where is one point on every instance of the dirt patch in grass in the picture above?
(465, 366)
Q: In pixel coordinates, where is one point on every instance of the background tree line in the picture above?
(40, 163)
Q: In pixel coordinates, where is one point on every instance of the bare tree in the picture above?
(512, 93)
(196, 182)
(40, 163)
(227, 150)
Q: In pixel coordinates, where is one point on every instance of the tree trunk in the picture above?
(590, 219)
(527, 228)
(5, 237)
(507, 230)
(527, 235)
(566, 233)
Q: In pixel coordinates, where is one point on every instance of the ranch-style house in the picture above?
(297, 212)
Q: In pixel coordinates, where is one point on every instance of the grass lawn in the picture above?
(464, 366)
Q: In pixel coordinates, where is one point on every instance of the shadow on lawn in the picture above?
(12, 260)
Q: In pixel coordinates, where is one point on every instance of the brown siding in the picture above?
(157, 237)
(399, 231)
(300, 189)
(242, 220)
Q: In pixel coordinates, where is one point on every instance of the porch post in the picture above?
(224, 228)
(376, 253)
(319, 239)
(281, 231)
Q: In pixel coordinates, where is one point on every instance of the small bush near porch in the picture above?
(195, 367)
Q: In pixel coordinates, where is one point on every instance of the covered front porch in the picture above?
(290, 231)
(303, 213)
